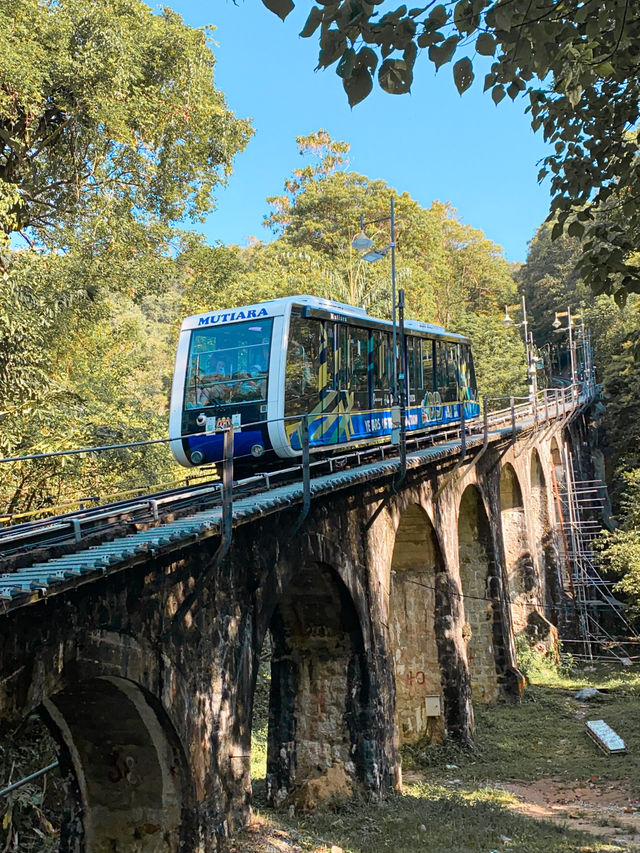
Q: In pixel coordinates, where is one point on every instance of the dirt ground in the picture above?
(608, 810)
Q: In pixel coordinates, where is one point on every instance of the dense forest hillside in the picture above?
(100, 359)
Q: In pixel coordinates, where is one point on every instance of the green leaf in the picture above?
(333, 44)
(513, 90)
(409, 54)
(575, 229)
(395, 76)
(486, 44)
(605, 69)
(556, 231)
(366, 58)
(346, 64)
(426, 39)
(438, 16)
(442, 54)
(497, 94)
(358, 86)
(281, 8)
(464, 18)
(463, 74)
(313, 22)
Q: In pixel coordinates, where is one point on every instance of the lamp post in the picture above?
(557, 325)
(364, 244)
(532, 371)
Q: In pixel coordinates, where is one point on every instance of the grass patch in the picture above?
(544, 734)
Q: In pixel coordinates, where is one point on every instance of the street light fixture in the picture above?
(532, 370)
(361, 242)
(374, 255)
(557, 325)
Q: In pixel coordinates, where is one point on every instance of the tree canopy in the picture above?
(574, 61)
(107, 112)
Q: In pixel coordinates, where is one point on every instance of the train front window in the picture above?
(228, 364)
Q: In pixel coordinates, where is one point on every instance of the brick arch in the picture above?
(129, 771)
(521, 577)
(418, 615)
(127, 781)
(484, 631)
(320, 718)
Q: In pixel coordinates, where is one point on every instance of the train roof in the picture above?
(277, 307)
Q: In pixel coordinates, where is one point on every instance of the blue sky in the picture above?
(432, 143)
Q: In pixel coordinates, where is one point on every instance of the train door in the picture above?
(353, 386)
(414, 371)
(382, 370)
(303, 377)
(431, 411)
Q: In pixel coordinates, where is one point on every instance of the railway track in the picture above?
(74, 527)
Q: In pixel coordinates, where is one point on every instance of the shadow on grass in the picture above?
(427, 817)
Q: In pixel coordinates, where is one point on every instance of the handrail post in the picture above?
(546, 405)
(486, 421)
(306, 473)
(463, 430)
(306, 467)
(227, 488)
(512, 404)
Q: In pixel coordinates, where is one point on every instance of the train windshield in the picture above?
(228, 364)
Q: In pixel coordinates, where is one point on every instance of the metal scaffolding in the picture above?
(579, 507)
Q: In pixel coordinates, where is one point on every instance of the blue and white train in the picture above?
(258, 368)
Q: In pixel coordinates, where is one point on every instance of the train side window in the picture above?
(414, 370)
(447, 371)
(342, 366)
(427, 365)
(302, 367)
(382, 369)
(326, 376)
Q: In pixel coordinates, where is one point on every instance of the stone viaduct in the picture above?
(390, 611)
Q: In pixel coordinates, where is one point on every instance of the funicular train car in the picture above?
(258, 368)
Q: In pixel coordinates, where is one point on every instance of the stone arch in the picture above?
(318, 741)
(556, 462)
(416, 631)
(522, 582)
(129, 770)
(483, 631)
